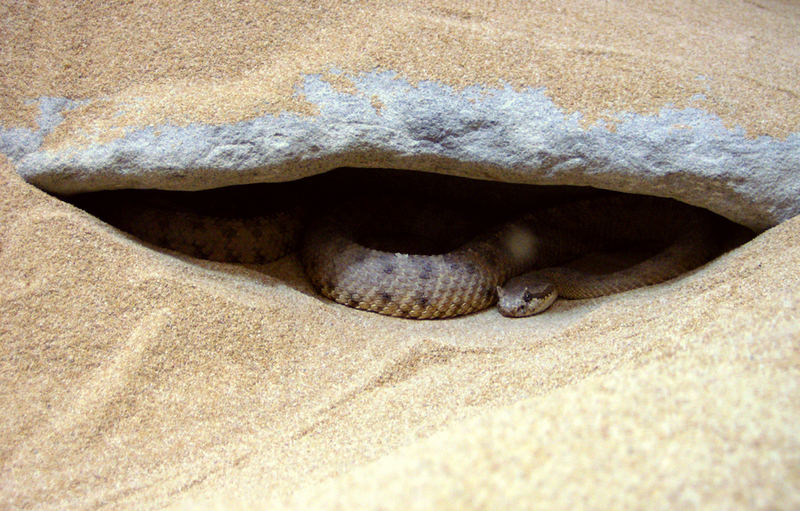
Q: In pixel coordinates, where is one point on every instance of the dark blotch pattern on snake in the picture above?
(468, 278)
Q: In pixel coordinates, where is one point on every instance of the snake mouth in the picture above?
(400, 217)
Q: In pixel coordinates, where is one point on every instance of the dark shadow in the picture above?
(452, 211)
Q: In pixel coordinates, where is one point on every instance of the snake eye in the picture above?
(527, 296)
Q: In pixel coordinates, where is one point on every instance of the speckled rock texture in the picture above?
(501, 134)
(136, 378)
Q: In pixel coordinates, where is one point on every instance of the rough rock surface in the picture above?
(136, 378)
(500, 134)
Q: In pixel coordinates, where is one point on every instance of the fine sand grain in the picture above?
(133, 378)
(146, 62)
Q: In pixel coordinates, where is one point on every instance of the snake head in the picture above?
(525, 295)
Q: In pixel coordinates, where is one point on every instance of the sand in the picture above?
(137, 378)
(185, 61)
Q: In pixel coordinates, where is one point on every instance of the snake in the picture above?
(521, 264)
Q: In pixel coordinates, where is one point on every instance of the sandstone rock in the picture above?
(135, 378)
(501, 134)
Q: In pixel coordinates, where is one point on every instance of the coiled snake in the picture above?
(472, 276)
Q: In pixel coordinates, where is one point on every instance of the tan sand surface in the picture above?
(132, 378)
(144, 62)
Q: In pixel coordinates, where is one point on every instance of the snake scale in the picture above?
(520, 263)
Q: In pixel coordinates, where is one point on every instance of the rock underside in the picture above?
(491, 134)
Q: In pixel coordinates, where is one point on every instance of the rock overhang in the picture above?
(502, 134)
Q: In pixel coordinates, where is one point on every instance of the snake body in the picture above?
(495, 264)
(472, 277)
